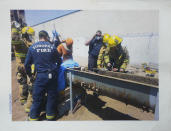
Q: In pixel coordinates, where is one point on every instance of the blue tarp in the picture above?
(61, 73)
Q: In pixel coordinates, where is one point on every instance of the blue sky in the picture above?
(34, 17)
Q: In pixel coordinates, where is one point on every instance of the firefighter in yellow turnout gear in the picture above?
(112, 55)
(28, 38)
(21, 40)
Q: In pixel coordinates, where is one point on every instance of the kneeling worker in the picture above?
(46, 60)
(112, 55)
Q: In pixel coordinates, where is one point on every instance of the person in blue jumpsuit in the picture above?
(47, 61)
(95, 45)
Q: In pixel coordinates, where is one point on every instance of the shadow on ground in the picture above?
(96, 106)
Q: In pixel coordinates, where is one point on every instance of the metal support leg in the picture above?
(70, 86)
(156, 115)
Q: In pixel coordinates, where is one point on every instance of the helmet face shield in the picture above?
(28, 34)
(30, 38)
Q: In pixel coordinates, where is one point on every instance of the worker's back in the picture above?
(46, 59)
(44, 56)
(118, 55)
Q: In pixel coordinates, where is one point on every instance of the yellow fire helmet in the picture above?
(106, 38)
(28, 30)
(114, 41)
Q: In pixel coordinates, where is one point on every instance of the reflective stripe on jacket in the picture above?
(20, 55)
(118, 58)
(103, 58)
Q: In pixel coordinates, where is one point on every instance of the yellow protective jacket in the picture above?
(103, 57)
(20, 48)
(118, 57)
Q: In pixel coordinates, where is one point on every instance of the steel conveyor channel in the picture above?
(132, 92)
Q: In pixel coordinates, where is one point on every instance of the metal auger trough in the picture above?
(132, 89)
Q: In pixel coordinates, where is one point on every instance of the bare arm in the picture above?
(59, 49)
(88, 42)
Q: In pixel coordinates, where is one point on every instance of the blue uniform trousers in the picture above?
(44, 85)
(92, 62)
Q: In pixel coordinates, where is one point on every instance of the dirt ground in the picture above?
(96, 108)
(18, 113)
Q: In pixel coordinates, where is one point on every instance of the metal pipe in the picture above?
(70, 85)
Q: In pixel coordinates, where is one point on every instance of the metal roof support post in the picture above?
(70, 86)
(156, 115)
